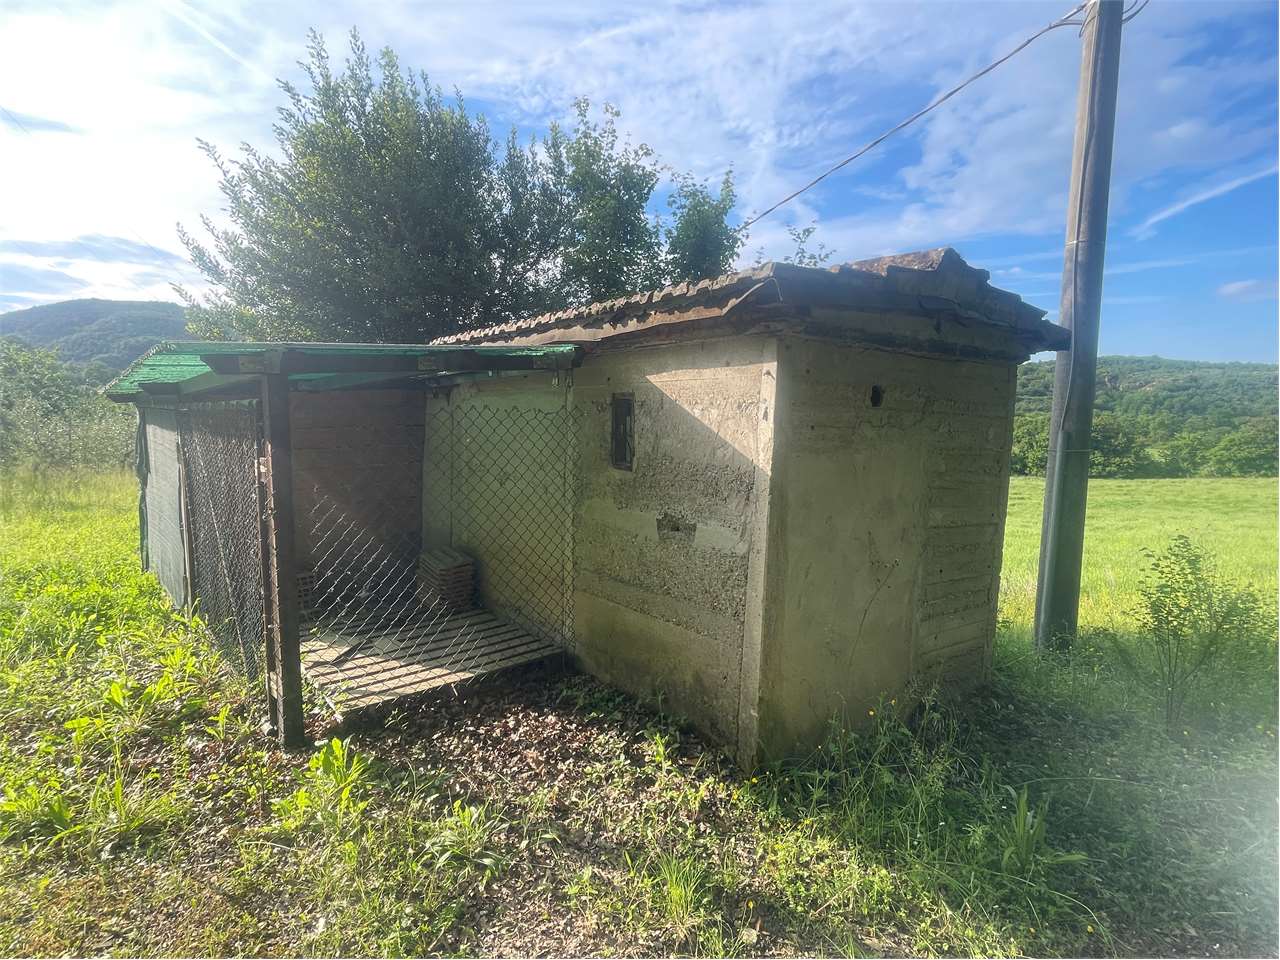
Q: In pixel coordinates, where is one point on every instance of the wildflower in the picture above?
(893, 702)
(1031, 929)
(1088, 928)
(871, 713)
(755, 779)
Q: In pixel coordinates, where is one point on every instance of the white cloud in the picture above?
(1246, 291)
(1119, 267)
(779, 90)
(1202, 195)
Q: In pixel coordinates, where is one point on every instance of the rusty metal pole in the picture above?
(1075, 372)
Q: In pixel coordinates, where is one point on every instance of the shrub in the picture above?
(1030, 445)
(51, 417)
(1195, 626)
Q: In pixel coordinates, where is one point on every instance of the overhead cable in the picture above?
(1067, 19)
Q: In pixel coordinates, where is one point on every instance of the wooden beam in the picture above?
(351, 381)
(284, 683)
(453, 359)
(184, 523)
(210, 382)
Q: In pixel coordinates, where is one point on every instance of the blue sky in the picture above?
(105, 100)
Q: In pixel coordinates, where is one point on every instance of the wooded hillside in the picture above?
(1162, 418)
(108, 332)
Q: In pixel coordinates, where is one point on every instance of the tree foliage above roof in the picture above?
(391, 214)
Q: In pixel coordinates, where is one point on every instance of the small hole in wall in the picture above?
(877, 395)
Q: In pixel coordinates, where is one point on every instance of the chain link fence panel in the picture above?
(500, 486)
(220, 449)
(486, 583)
(388, 609)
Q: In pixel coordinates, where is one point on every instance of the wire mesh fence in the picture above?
(223, 512)
(499, 485)
(403, 587)
(478, 581)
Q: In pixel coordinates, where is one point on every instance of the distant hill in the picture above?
(112, 333)
(1167, 395)
(1161, 418)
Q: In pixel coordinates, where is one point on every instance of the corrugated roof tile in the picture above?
(939, 273)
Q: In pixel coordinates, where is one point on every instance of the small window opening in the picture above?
(622, 445)
(877, 395)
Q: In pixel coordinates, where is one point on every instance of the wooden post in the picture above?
(184, 522)
(284, 659)
(1075, 371)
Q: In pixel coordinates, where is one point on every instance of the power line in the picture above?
(1063, 21)
(15, 121)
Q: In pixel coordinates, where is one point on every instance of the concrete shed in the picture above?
(791, 485)
(770, 499)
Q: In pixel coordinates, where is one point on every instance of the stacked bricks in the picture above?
(446, 576)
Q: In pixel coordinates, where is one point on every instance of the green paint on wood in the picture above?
(177, 368)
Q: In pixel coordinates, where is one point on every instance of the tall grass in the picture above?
(1050, 813)
(128, 752)
(106, 497)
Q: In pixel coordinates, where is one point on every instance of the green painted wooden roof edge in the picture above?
(178, 361)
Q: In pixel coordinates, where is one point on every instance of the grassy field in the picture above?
(1234, 519)
(144, 812)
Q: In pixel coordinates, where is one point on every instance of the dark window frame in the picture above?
(622, 431)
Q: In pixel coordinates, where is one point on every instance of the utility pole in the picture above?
(1075, 372)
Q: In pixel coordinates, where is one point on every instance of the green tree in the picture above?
(1117, 451)
(613, 246)
(702, 244)
(1183, 455)
(1249, 451)
(1030, 444)
(1174, 413)
(391, 214)
(51, 417)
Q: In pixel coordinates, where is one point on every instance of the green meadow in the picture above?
(1234, 519)
(144, 811)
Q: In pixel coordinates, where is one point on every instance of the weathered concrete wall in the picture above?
(498, 484)
(889, 475)
(358, 452)
(807, 526)
(662, 551)
(166, 555)
(968, 482)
